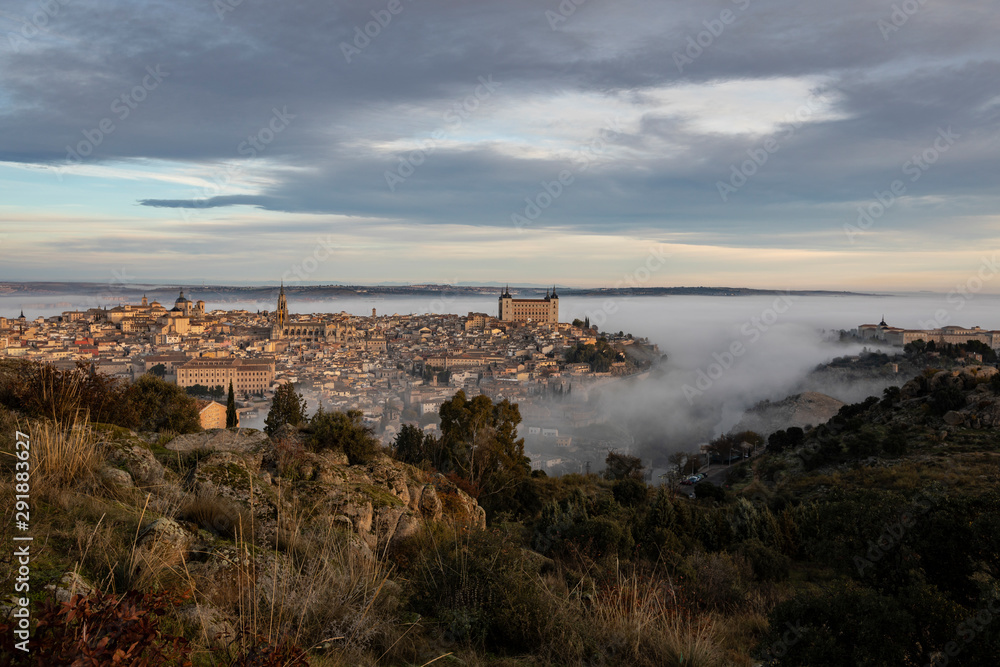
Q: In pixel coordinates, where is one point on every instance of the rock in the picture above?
(115, 478)
(384, 473)
(797, 410)
(240, 440)
(974, 376)
(953, 418)
(361, 516)
(139, 462)
(430, 505)
(414, 501)
(209, 622)
(946, 380)
(162, 544)
(234, 479)
(406, 526)
(69, 585)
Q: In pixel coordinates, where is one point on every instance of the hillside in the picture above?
(871, 539)
(806, 409)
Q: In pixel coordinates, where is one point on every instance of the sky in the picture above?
(761, 143)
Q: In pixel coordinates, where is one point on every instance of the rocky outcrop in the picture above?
(138, 461)
(241, 440)
(806, 409)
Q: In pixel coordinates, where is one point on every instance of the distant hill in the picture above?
(130, 290)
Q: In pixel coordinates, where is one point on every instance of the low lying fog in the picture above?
(725, 354)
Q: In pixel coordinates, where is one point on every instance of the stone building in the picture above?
(544, 311)
(247, 375)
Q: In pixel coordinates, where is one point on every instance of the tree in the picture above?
(159, 370)
(161, 406)
(479, 442)
(409, 445)
(344, 432)
(623, 466)
(231, 420)
(288, 407)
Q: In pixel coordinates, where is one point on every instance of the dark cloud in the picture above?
(224, 74)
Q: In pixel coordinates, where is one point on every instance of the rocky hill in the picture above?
(806, 409)
(244, 523)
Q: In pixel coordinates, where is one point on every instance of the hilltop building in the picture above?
(950, 334)
(544, 311)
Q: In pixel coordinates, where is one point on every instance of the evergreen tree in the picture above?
(231, 420)
(288, 407)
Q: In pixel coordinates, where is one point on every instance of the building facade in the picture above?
(213, 415)
(544, 311)
(247, 375)
(950, 334)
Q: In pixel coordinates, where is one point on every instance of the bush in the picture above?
(813, 629)
(102, 629)
(767, 564)
(629, 492)
(161, 406)
(343, 432)
(482, 590)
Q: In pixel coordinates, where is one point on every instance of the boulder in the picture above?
(361, 515)
(69, 585)
(430, 505)
(953, 418)
(164, 543)
(115, 478)
(139, 462)
(208, 621)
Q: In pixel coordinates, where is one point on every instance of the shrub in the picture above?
(103, 629)
(215, 513)
(767, 564)
(629, 492)
(162, 406)
(344, 432)
(623, 466)
(895, 444)
(706, 489)
(720, 581)
(879, 628)
(63, 453)
(482, 589)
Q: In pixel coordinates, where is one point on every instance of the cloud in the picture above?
(414, 92)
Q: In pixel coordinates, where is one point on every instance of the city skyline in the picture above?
(740, 143)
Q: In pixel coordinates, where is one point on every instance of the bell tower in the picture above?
(280, 315)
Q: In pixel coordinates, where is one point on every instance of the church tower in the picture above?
(280, 315)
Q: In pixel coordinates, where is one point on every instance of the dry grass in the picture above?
(214, 513)
(639, 622)
(63, 454)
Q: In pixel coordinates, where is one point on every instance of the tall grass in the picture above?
(63, 453)
(641, 624)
